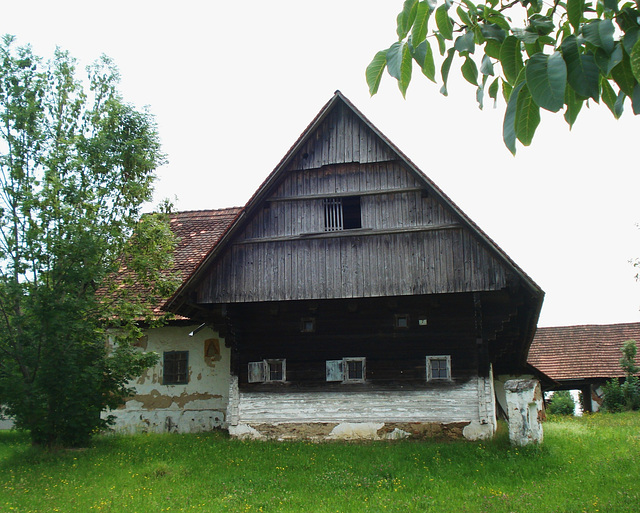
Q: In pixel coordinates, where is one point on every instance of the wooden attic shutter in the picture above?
(256, 372)
(335, 370)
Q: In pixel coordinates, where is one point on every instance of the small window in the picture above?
(347, 370)
(342, 213)
(402, 321)
(308, 325)
(439, 368)
(175, 368)
(267, 371)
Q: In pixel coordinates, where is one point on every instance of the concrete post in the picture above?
(526, 411)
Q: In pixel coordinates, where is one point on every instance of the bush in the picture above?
(561, 403)
(624, 396)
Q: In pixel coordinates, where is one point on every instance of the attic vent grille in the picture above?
(342, 213)
(332, 214)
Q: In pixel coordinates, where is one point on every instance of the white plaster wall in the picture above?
(498, 383)
(455, 404)
(197, 406)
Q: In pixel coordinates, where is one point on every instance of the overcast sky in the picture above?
(233, 84)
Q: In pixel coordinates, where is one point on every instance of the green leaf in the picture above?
(464, 17)
(611, 4)
(444, 22)
(511, 59)
(608, 95)
(492, 31)
(399, 64)
(492, 48)
(583, 74)
(527, 117)
(406, 18)
(607, 62)
(493, 89)
(619, 105)
(575, 10)
(442, 44)
(635, 100)
(525, 36)
(546, 77)
(486, 67)
(465, 42)
(623, 75)
(509, 132)
(421, 23)
(600, 34)
(540, 25)
(634, 60)
(375, 70)
(470, 71)
(444, 70)
(423, 55)
(574, 105)
(630, 39)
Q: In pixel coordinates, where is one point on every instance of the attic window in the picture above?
(342, 213)
(308, 325)
(402, 321)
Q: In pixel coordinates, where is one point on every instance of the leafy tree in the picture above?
(561, 403)
(76, 165)
(626, 395)
(560, 57)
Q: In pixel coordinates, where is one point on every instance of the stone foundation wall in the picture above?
(327, 431)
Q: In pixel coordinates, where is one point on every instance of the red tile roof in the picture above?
(197, 233)
(582, 352)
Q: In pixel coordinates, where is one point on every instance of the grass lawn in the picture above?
(585, 464)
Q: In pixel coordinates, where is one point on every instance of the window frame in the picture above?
(432, 358)
(338, 370)
(342, 213)
(260, 371)
(398, 317)
(178, 372)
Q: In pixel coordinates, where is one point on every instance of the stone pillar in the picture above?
(234, 402)
(525, 411)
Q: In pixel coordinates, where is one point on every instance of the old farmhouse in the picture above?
(350, 297)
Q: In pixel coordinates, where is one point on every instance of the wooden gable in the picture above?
(410, 240)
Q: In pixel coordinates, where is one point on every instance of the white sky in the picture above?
(233, 84)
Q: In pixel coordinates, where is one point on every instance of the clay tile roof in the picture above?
(581, 352)
(198, 232)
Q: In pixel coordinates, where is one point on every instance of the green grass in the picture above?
(585, 464)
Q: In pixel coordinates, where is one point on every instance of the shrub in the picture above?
(624, 396)
(561, 403)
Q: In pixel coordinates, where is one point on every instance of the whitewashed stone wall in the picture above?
(525, 411)
(197, 406)
(467, 408)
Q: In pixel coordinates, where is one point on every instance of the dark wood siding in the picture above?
(363, 328)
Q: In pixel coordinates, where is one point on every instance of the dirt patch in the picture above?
(426, 430)
(295, 431)
(155, 400)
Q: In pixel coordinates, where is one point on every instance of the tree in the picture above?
(561, 403)
(76, 165)
(624, 396)
(567, 54)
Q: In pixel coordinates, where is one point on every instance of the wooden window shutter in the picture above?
(335, 370)
(256, 372)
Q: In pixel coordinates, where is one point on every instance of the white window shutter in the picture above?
(335, 370)
(256, 372)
